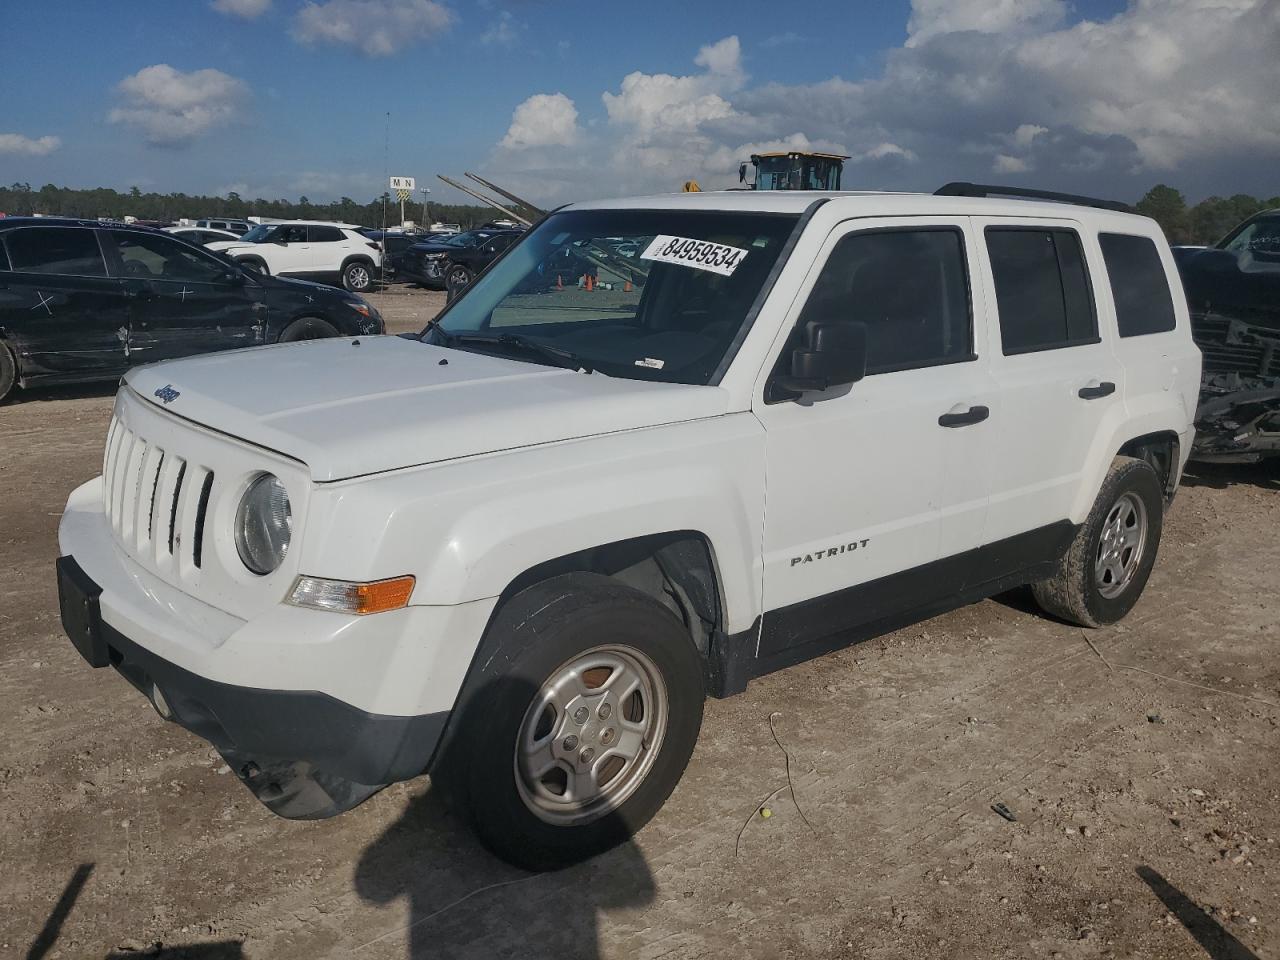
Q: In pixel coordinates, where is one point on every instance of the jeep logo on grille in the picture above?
(167, 394)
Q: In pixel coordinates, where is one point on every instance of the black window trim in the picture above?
(1088, 279)
(102, 252)
(969, 357)
(1164, 272)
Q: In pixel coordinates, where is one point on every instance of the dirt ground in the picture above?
(1141, 771)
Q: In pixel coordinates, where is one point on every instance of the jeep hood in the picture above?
(352, 407)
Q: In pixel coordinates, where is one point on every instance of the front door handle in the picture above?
(1096, 391)
(963, 418)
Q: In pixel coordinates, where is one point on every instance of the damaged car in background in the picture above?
(1233, 291)
(83, 301)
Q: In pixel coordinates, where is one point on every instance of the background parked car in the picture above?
(201, 236)
(238, 227)
(312, 250)
(464, 261)
(423, 262)
(81, 301)
(1233, 290)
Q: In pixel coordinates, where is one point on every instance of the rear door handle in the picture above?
(1096, 391)
(963, 418)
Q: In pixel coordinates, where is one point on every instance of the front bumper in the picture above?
(304, 754)
(315, 711)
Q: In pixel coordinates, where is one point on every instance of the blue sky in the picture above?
(565, 99)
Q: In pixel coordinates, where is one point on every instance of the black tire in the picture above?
(1076, 592)
(308, 328)
(456, 279)
(253, 263)
(531, 639)
(357, 276)
(8, 371)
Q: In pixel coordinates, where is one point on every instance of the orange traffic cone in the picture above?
(626, 287)
(559, 282)
(591, 283)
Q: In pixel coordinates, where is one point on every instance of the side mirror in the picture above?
(829, 355)
(742, 173)
(233, 278)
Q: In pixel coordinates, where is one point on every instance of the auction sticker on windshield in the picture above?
(699, 254)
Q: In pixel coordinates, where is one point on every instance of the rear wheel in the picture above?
(357, 276)
(456, 279)
(580, 722)
(1107, 566)
(308, 328)
(8, 371)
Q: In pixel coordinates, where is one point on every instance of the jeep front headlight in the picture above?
(264, 525)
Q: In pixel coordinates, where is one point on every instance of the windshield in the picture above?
(1257, 236)
(468, 239)
(258, 234)
(642, 294)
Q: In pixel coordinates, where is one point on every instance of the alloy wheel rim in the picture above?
(1121, 544)
(359, 277)
(459, 278)
(591, 735)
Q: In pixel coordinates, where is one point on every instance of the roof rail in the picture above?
(960, 188)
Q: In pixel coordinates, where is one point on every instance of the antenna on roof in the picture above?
(960, 188)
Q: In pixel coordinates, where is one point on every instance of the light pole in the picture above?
(426, 210)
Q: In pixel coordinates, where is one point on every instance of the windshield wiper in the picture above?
(563, 358)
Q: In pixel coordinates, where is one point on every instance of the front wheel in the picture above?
(8, 371)
(580, 723)
(456, 279)
(308, 328)
(1104, 571)
(357, 277)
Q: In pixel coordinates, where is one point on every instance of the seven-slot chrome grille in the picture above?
(156, 500)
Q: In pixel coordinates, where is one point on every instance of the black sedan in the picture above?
(82, 301)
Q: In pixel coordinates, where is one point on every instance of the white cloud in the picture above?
(503, 32)
(16, 143)
(172, 108)
(1006, 164)
(1026, 134)
(245, 9)
(545, 119)
(1179, 90)
(377, 28)
(932, 18)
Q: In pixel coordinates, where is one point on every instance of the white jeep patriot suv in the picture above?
(661, 447)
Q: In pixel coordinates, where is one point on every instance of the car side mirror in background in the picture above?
(830, 354)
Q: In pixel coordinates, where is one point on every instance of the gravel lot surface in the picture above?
(1141, 772)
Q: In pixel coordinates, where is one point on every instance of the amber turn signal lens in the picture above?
(343, 596)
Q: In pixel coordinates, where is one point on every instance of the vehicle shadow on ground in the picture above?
(47, 938)
(1219, 476)
(1211, 935)
(71, 391)
(465, 903)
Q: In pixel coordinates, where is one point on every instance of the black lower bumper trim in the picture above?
(304, 754)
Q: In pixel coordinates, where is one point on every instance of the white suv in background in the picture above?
(309, 250)
(518, 550)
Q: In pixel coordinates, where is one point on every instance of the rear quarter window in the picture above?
(1139, 285)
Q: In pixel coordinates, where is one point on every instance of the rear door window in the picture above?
(68, 251)
(1139, 285)
(1042, 288)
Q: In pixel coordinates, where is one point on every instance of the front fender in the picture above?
(469, 527)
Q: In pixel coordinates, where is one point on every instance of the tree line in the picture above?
(1205, 223)
(20, 199)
